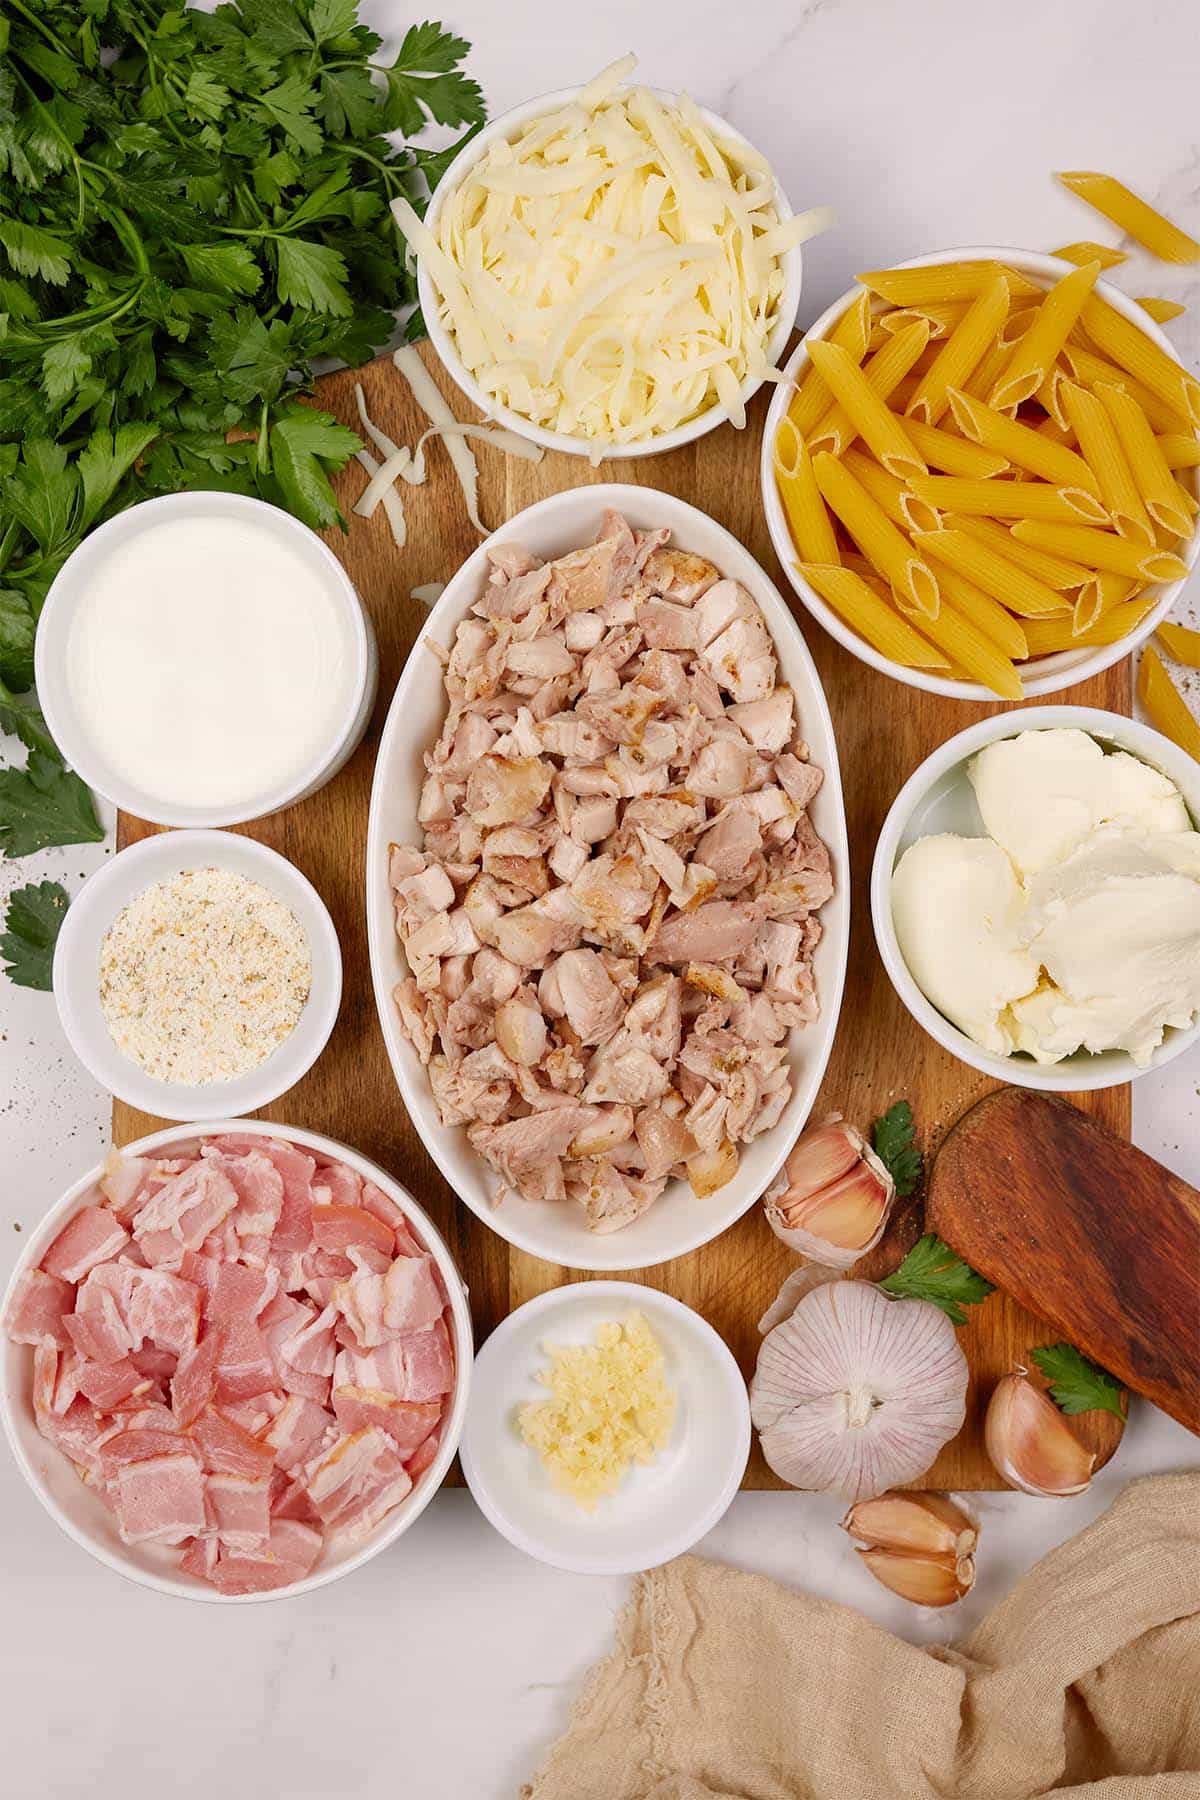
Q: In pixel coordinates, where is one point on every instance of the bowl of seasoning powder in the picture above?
(198, 975)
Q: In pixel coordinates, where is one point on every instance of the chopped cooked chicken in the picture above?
(620, 784)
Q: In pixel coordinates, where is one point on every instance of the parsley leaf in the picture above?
(892, 1142)
(32, 923)
(932, 1271)
(423, 83)
(44, 804)
(32, 251)
(1077, 1385)
(225, 268)
(23, 718)
(312, 275)
(303, 444)
(16, 639)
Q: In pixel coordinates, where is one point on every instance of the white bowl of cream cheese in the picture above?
(1066, 894)
(203, 659)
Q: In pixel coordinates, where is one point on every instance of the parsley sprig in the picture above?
(193, 214)
(933, 1271)
(892, 1141)
(1076, 1384)
(31, 923)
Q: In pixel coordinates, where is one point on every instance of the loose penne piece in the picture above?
(1164, 705)
(1049, 396)
(1056, 571)
(935, 283)
(997, 575)
(872, 617)
(889, 493)
(1097, 433)
(1128, 346)
(1100, 594)
(941, 317)
(1020, 444)
(1055, 428)
(1009, 499)
(876, 536)
(1179, 450)
(1048, 635)
(1156, 486)
(961, 352)
(1089, 369)
(1134, 216)
(954, 454)
(1102, 549)
(1181, 642)
(860, 394)
(811, 527)
(973, 652)
(1161, 311)
(870, 574)
(1017, 324)
(852, 333)
(1035, 353)
(1086, 252)
(994, 620)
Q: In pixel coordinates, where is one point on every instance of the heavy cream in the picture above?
(209, 661)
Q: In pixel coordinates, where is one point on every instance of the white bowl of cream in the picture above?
(203, 659)
(965, 922)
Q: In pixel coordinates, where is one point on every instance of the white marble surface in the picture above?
(444, 1668)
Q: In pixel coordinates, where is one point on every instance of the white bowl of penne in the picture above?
(981, 474)
(938, 797)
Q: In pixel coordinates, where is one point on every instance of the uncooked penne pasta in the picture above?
(996, 575)
(898, 501)
(994, 620)
(1009, 499)
(1156, 486)
(1179, 450)
(1119, 338)
(860, 394)
(1017, 324)
(1088, 368)
(1049, 397)
(981, 382)
(1164, 705)
(1098, 440)
(1133, 216)
(941, 317)
(1100, 594)
(852, 332)
(870, 574)
(934, 283)
(1181, 642)
(1086, 252)
(872, 617)
(876, 536)
(811, 526)
(1057, 429)
(1161, 311)
(1034, 355)
(973, 652)
(1049, 635)
(1055, 571)
(961, 352)
(1020, 444)
(954, 454)
(1102, 549)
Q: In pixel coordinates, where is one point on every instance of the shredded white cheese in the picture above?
(203, 976)
(614, 270)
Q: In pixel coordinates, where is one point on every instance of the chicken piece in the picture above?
(716, 932)
(589, 998)
(742, 660)
(472, 641)
(710, 978)
(583, 631)
(415, 1017)
(564, 734)
(711, 1169)
(506, 790)
(493, 977)
(678, 575)
(470, 739)
(521, 1029)
(611, 1126)
(801, 781)
(593, 819)
(582, 581)
(532, 1142)
(567, 858)
(654, 1020)
(666, 626)
(766, 723)
(522, 739)
(630, 1077)
(513, 599)
(666, 815)
(543, 657)
(728, 846)
(513, 855)
(419, 897)
(615, 530)
(612, 1200)
(455, 977)
(611, 892)
(724, 768)
(756, 1021)
(532, 933)
(663, 1139)
(718, 608)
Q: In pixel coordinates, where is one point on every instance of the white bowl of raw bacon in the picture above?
(235, 1361)
(611, 1069)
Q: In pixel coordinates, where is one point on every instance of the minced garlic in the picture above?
(203, 976)
(610, 1407)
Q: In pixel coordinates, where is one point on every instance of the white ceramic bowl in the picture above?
(507, 126)
(1043, 674)
(677, 1222)
(660, 1510)
(938, 797)
(84, 1516)
(69, 587)
(77, 964)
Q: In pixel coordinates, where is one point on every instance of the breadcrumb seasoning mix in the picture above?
(203, 976)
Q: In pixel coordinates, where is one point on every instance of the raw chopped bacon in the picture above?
(189, 1327)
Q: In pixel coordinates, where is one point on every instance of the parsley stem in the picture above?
(32, 19)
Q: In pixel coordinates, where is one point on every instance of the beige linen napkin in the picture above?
(1085, 1681)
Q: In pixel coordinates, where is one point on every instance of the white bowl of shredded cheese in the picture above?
(198, 975)
(640, 379)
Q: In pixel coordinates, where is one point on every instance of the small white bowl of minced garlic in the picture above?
(198, 975)
(608, 1428)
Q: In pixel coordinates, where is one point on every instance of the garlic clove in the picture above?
(845, 1214)
(931, 1524)
(832, 1198)
(925, 1580)
(1030, 1443)
(819, 1156)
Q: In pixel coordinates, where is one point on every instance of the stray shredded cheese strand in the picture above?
(427, 396)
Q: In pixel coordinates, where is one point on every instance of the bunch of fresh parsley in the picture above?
(193, 212)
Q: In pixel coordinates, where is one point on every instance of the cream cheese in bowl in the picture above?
(204, 659)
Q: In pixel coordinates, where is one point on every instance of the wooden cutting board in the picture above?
(1093, 1235)
(883, 731)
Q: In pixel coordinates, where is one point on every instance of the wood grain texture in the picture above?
(1091, 1234)
(883, 731)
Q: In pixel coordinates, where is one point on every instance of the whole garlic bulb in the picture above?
(856, 1393)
